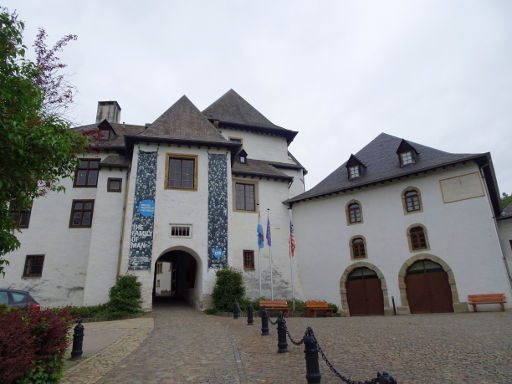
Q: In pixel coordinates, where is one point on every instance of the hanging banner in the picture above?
(141, 238)
(217, 211)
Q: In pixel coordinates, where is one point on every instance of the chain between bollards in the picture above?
(78, 340)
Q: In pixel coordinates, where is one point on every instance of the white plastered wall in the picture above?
(175, 207)
(461, 233)
(105, 238)
(66, 249)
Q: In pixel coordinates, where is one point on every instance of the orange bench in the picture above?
(490, 298)
(312, 307)
(275, 305)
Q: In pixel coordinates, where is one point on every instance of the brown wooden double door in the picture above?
(428, 290)
(364, 293)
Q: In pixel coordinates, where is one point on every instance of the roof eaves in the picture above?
(385, 179)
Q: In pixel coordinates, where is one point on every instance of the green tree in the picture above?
(506, 199)
(37, 147)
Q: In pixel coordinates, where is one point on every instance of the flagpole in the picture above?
(259, 249)
(269, 242)
(291, 258)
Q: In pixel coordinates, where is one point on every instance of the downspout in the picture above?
(507, 267)
(123, 224)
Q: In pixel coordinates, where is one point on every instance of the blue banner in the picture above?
(141, 237)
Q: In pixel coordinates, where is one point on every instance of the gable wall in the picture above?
(461, 233)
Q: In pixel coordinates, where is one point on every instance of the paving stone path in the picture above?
(190, 347)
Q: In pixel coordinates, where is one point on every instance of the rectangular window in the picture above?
(406, 158)
(235, 140)
(114, 184)
(86, 175)
(33, 266)
(245, 197)
(158, 268)
(180, 230)
(354, 171)
(81, 214)
(21, 217)
(248, 260)
(181, 172)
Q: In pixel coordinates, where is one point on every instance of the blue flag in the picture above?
(269, 240)
(261, 238)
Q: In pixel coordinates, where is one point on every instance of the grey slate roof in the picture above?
(183, 121)
(382, 163)
(232, 109)
(116, 139)
(115, 161)
(259, 168)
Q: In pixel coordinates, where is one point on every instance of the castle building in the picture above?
(173, 201)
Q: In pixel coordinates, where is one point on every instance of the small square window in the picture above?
(86, 175)
(181, 172)
(21, 217)
(33, 266)
(406, 158)
(353, 172)
(248, 260)
(114, 184)
(81, 214)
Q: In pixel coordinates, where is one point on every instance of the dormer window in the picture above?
(406, 153)
(242, 157)
(354, 167)
(353, 171)
(406, 158)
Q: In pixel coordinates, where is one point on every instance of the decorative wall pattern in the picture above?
(217, 211)
(141, 238)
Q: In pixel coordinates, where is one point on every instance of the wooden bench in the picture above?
(312, 307)
(490, 298)
(275, 305)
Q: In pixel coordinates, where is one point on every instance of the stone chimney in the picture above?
(109, 110)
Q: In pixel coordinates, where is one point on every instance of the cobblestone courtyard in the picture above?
(189, 347)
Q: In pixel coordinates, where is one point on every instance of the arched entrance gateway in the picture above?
(363, 290)
(175, 277)
(428, 289)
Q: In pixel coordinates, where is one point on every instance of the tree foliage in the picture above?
(37, 147)
(506, 199)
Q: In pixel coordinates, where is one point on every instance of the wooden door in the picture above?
(428, 290)
(364, 293)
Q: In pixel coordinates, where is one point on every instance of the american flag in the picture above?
(292, 239)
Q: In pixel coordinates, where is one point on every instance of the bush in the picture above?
(32, 344)
(89, 312)
(124, 298)
(333, 306)
(299, 305)
(229, 287)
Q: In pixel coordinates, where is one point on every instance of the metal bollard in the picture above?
(264, 322)
(250, 311)
(236, 310)
(385, 378)
(78, 340)
(311, 355)
(281, 334)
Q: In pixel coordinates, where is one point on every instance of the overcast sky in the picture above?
(340, 72)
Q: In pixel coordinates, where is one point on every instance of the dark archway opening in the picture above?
(174, 278)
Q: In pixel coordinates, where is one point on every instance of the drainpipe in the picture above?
(123, 222)
(503, 254)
